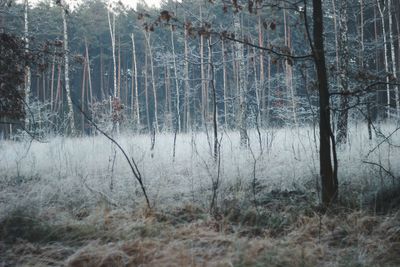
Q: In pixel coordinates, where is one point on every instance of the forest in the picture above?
(199, 133)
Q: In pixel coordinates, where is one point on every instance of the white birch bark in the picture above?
(178, 96)
(336, 33)
(362, 46)
(111, 25)
(70, 115)
(153, 81)
(135, 79)
(257, 87)
(261, 104)
(187, 85)
(393, 57)
(224, 83)
(112, 35)
(386, 60)
(90, 100)
(27, 68)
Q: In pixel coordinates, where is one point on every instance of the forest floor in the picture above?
(283, 235)
(74, 202)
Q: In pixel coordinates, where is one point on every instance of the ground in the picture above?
(74, 202)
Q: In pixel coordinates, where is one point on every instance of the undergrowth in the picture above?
(269, 235)
(58, 208)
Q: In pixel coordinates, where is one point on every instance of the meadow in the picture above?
(75, 201)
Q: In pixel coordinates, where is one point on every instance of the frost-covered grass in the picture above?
(70, 186)
(69, 171)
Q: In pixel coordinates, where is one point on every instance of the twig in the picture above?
(102, 195)
(382, 168)
(132, 163)
(384, 140)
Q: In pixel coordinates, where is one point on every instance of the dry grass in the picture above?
(188, 236)
(57, 206)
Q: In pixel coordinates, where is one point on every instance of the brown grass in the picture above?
(190, 237)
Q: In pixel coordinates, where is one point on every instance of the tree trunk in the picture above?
(153, 81)
(58, 90)
(112, 35)
(393, 55)
(89, 75)
(289, 69)
(382, 15)
(83, 95)
(146, 88)
(336, 33)
(362, 47)
(224, 83)
(167, 102)
(257, 88)
(242, 84)
(268, 100)
(103, 95)
(135, 79)
(119, 69)
(71, 119)
(329, 183)
(178, 95)
(261, 78)
(234, 101)
(187, 85)
(27, 68)
(115, 87)
(214, 99)
(203, 84)
(52, 82)
(343, 73)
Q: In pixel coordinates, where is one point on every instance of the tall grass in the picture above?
(74, 201)
(77, 172)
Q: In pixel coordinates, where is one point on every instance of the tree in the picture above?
(343, 73)
(147, 35)
(27, 68)
(135, 86)
(12, 72)
(111, 24)
(70, 114)
(241, 84)
(186, 77)
(329, 182)
(177, 90)
(382, 10)
(393, 56)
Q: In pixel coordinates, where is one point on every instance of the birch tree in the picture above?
(178, 95)
(135, 87)
(111, 25)
(27, 68)
(70, 114)
(147, 35)
(382, 11)
(393, 56)
(186, 74)
(204, 95)
(224, 77)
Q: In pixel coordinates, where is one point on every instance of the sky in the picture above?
(149, 2)
(131, 3)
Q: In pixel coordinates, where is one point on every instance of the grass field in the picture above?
(75, 202)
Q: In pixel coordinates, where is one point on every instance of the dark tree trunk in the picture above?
(329, 183)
